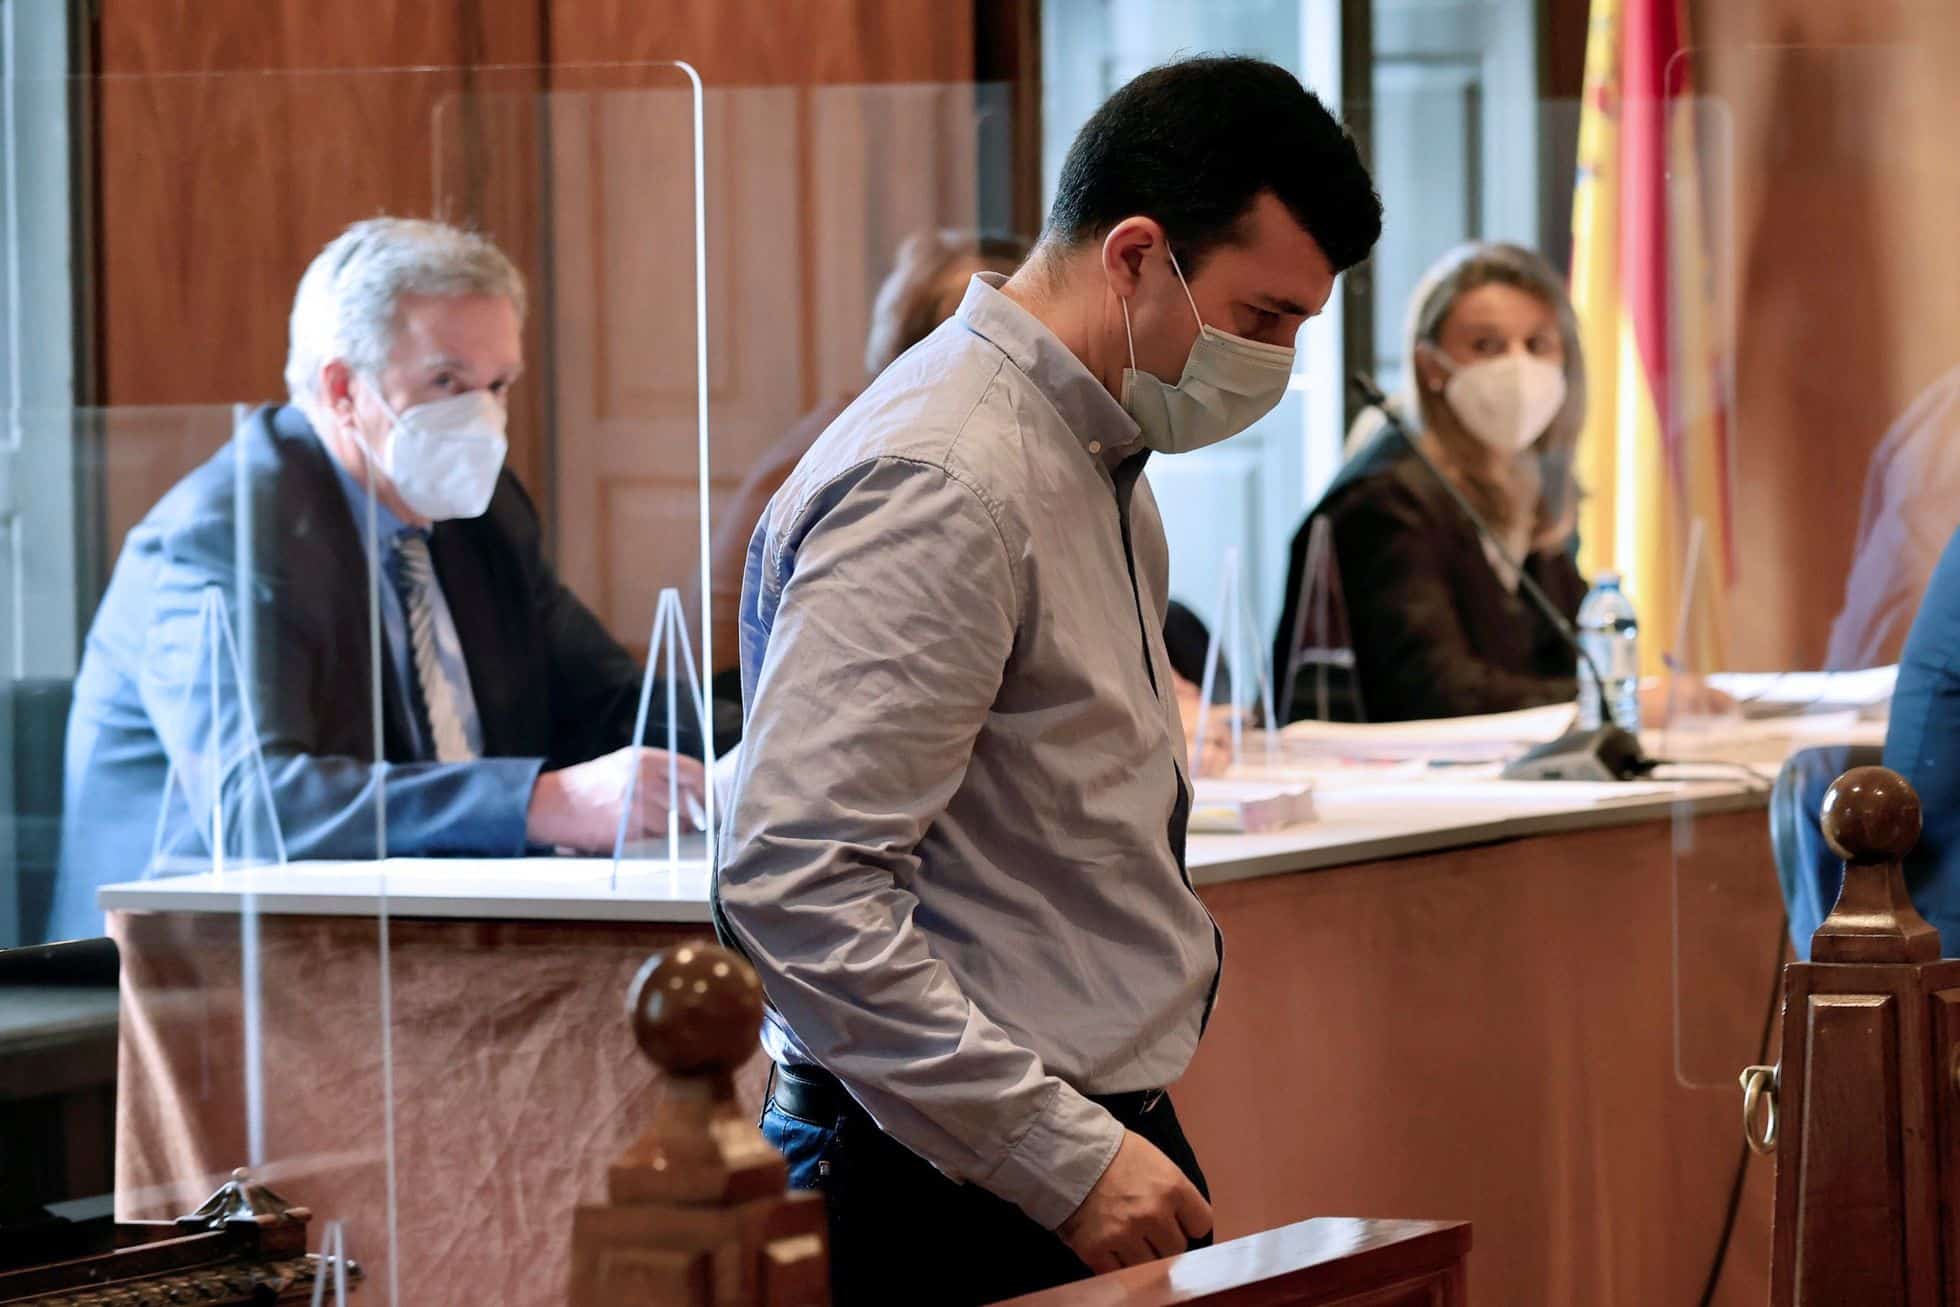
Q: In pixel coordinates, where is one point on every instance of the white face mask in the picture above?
(1505, 402)
(444, 456)
(1228, 383)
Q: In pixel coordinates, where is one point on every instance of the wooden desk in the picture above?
(1460, 1007)
(1491, 1034)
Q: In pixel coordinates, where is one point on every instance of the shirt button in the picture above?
(1095, 447)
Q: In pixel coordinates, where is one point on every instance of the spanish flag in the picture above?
(1653, 457)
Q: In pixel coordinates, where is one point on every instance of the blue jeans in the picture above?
(900, 1231)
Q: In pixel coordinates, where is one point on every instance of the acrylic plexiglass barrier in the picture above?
(375, 987)
(244, 792)
(1837, 458)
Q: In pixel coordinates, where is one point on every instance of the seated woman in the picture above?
(1497, 396)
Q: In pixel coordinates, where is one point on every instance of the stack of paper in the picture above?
(1784, 694)
(1223, 806)
(1489, 738)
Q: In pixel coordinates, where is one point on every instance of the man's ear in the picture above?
(336, 383)
(1124, 250)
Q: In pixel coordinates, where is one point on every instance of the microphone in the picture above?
(1605, 753)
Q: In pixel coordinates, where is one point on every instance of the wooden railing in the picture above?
(1863, 1113)
(696, 1212)
(697, 1215)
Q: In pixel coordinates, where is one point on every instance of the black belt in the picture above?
(812, 1094)
(808, 1094)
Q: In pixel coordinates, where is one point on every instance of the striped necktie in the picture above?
(417, 579)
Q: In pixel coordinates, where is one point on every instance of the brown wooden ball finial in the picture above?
(1871, 814)
(1871, 819)
(696, 1010)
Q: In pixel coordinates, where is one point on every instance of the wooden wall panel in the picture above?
(625, 390)
(837, 127)
(741, 42)
(236, 137)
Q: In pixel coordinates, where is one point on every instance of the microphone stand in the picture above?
(1605, 753)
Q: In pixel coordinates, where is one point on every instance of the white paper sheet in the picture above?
(1773, 694)
(1487, 738)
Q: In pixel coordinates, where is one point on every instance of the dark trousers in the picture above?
(901, 1232)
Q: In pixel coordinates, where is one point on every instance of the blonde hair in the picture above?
(1467, 460)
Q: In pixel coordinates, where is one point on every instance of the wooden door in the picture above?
(833, 130)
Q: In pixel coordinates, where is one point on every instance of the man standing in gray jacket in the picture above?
(955, 850)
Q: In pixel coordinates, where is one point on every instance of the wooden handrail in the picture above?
(1327, 1261)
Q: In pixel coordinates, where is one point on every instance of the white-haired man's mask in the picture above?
(444, 456)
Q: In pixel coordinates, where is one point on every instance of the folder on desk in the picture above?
(1230, 806)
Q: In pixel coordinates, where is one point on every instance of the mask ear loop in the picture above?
(378, 457)
(1448, 365)
(373, 383)
(1128, 335)
(1186, 285)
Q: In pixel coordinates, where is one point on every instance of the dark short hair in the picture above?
(1192, 144)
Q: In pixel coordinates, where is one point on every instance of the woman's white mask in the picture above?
(1505, 402)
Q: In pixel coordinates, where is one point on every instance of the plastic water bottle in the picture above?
(1610, 634)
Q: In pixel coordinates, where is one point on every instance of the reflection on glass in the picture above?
(217, 800)
(1910, 507)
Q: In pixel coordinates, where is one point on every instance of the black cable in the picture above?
(1742, 1163)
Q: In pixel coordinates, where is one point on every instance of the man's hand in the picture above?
(1143, 1208)
(578, 807)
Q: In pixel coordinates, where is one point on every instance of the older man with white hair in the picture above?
(506, 709)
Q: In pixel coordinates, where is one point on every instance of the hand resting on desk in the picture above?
(578, 807)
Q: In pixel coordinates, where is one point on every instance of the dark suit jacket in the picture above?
(551, 686)
(1435, 633)
(1922, 744)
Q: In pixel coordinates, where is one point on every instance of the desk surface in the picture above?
(1357, 823)
(1364, 816)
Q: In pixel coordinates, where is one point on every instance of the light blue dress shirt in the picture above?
(955, 845)
(394, 625)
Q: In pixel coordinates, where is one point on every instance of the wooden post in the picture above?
(1867, 1172)
(696, 1214)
